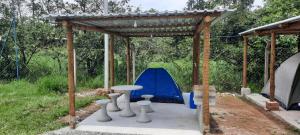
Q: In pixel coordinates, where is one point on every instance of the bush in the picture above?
(53, 83)
(96, 82)
(223, 75)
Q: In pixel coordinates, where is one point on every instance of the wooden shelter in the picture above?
(160, 24)
(289, 26)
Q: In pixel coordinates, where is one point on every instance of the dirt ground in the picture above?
(235, 116)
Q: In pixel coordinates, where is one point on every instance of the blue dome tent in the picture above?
(158, 82)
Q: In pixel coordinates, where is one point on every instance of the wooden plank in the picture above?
(71, 84)
(245, 62)
(196, 60)
(205, 73)
(272, 66)
(112, 61)
(128, 60)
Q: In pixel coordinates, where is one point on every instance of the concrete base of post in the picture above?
(245, 91)
(203, 128)
(272, 105)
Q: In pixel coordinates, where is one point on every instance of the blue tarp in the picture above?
(158, 82)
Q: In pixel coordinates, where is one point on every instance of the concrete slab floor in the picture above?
(290, 116)
(168, 119)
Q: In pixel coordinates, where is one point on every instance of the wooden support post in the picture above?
(267, 60)
(71, 84)
(128, 60)
(130, 63)
(245, 62)
(196, 55)
(272, 64)
(112, 61)
(133, 63)
(205, 73)
(272, 104)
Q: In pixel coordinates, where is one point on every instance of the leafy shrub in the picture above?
(53, 83)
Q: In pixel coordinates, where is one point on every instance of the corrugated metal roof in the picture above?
(168, 23)
(271, 26)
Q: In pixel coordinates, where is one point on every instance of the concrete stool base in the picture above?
(126, 111)
(113, 107)
(147, 98)
(103, 116)
(143, 117)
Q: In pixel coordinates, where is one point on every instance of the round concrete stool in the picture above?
(143, 117)
(113, 107)
(103, 116)
(147, 98)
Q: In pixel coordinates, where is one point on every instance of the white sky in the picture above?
(162, 5)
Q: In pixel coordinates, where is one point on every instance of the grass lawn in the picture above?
(26, 110)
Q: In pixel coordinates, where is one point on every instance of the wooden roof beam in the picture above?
(159, 34)
(158, 31)
(136, 17)
(150, 26)
(95, 29)
(284, 29)
(163, 35)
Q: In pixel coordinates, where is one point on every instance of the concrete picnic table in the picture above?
(126, 89)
